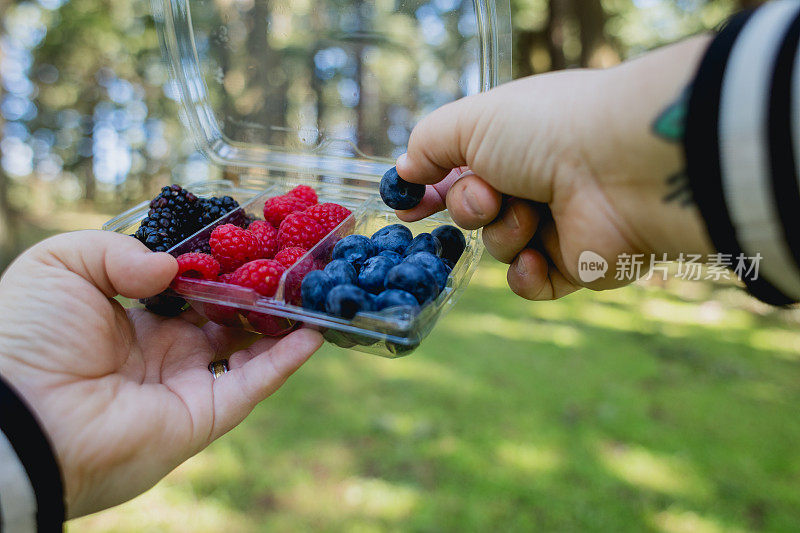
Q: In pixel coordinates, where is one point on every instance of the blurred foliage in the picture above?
(88, 117)
(643, 409)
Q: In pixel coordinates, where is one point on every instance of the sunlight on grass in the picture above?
(490, 275)
(676, 520)
(354, 497)
(709, 314)
(780, 340)
(427, 370)
(214, 466)
(648, 470)
(376, 497)
(521, 330)
(527, 457)
(167, 507)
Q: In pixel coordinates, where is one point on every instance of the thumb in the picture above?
(441, 141)
(505, 135)
(114, 263)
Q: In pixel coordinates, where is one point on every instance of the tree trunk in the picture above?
(555, 33)
(595, 49)
(268, 76)
(526, 41)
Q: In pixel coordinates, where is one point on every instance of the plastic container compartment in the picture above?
(280, 92)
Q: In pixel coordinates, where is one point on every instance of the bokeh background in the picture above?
(665, 406)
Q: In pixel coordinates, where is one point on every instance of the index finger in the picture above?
(434, 199)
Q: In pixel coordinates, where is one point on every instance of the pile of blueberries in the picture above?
(392, 269)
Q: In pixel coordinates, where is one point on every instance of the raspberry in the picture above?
(196, 265)
(261, 275)
(276, 209)
(328, 215)
(294, 279)
(268, 235)
(222, 314)
(233, 246)
(225, 277)
(305, 193)
(272, 326)
(299, 229)
(289, 256)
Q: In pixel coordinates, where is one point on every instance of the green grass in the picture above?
(642, 409)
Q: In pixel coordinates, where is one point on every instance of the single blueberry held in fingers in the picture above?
(395, 238)
(414, 279)
(432, 264)
(347, 300)
(373, 273)
(394, 256)
(396, 298)
(424, 242)
(341, 272)
(315, 288)
(453, 242)
(354, 248)
(397, 193)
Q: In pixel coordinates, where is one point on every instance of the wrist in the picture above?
(652, 193)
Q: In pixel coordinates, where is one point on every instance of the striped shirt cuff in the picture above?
(31, 491)
(742, 145)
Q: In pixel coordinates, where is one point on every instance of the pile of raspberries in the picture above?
(256, 257)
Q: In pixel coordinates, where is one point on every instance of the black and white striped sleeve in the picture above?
(31, 493)
(742, 143)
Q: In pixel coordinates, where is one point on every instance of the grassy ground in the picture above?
(642, 409)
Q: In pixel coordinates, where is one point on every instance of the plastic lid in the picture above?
(325, 86)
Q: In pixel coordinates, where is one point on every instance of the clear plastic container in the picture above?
(282, 92)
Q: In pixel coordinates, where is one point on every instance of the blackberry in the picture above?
(215, 208)
(160, 230)
(172, 217)
(203, 247)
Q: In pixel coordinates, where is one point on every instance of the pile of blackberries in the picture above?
(176, 214)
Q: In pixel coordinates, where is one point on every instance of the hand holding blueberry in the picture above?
(559, 164)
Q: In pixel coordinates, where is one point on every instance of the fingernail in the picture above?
(465, 174)
(519, 266)
(510, 218)
(472, 204)
(401, 161)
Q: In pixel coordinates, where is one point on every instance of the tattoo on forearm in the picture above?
(670, 125)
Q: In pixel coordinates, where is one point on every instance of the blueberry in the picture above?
(452, 241)
(394, 256)
(373, 273)
(424, 242)
(414, 279)
(395, 238)
(396, 298)
(341, 272)
(397, 193)
(347, 300)
(354, 248)
(447, 263)
(432, 264)
(315, 288)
